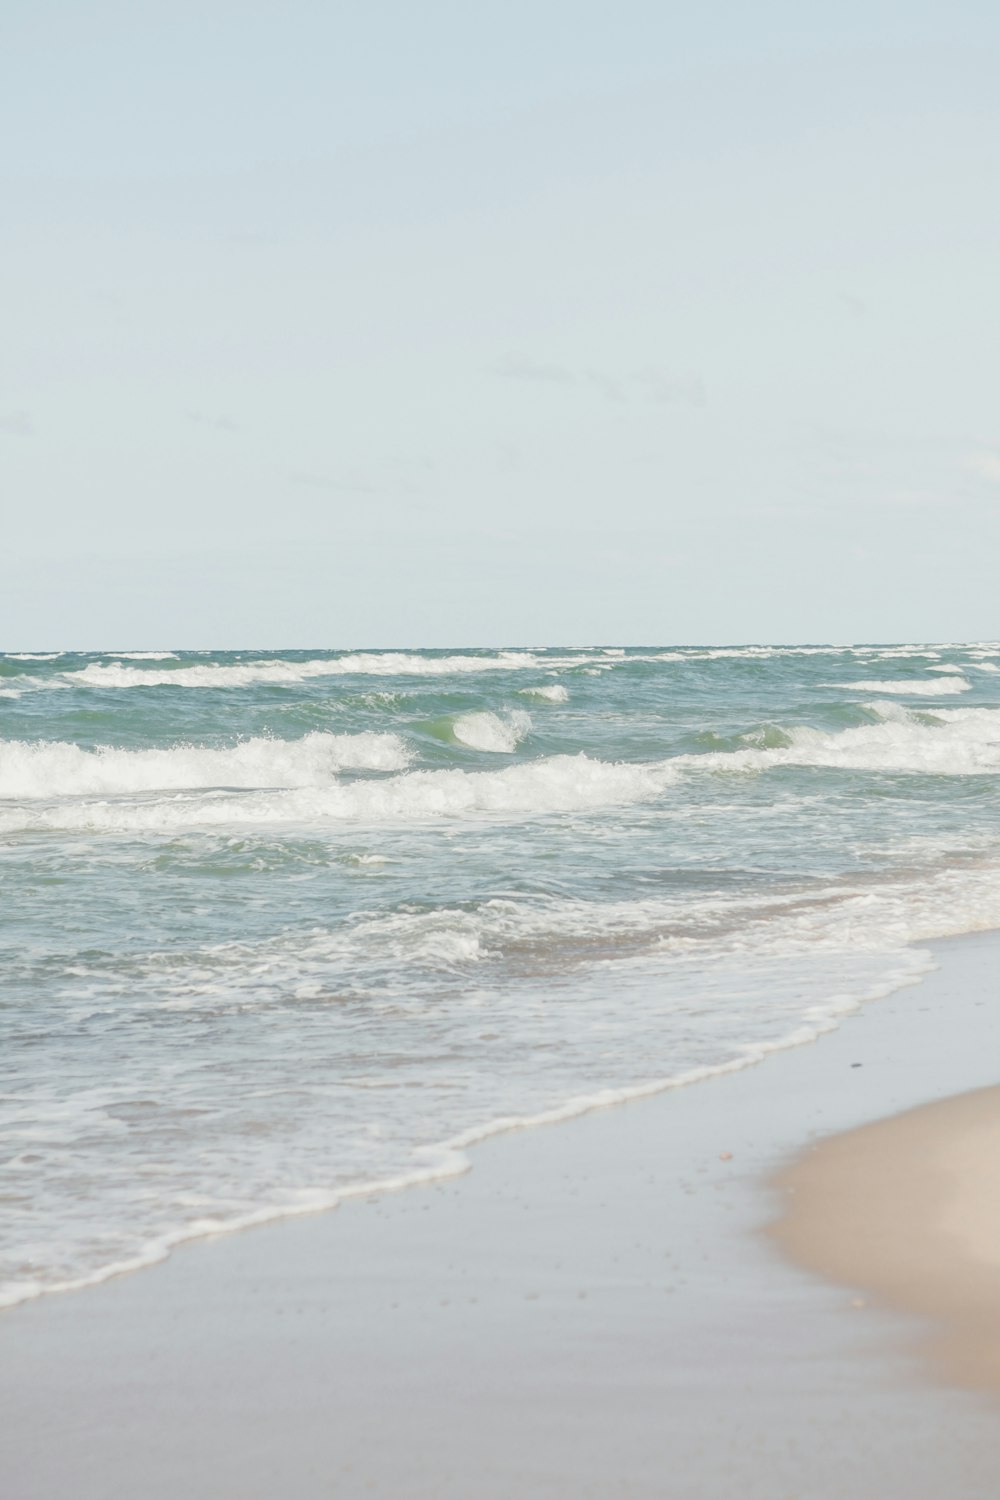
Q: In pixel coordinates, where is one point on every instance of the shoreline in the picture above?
(450, 1158)
(594, 1310)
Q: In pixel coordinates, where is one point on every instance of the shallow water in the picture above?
(278, 926)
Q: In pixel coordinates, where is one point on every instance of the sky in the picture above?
(442, 323)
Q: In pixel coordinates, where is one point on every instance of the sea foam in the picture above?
(341, 959)
(295, 781)
(281, 671)
(942, 742)
(560, 783)
(482, 730)
(40, 770)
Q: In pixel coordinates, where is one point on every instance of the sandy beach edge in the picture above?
(595, 1309)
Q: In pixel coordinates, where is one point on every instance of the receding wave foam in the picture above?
(40, 770)
(747, 978)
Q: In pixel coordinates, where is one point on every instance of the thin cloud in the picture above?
(667, 386)
(985, 463)
(523, 367)
(609, 386)
(221, 423)
(652, 383)
(346, 485)
(16, 424)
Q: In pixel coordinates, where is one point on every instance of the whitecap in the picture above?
(957, 742)
(243, 674)
(144, 655)
(482, 730)
(559, 783)
(48, 770)
(546, 692)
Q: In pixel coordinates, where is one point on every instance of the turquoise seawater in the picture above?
(278, 926)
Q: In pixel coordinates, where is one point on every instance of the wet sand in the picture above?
(595, 1310)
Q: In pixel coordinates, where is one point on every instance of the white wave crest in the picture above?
(292, 781)
(958, 742)
(244, 674)
(146, 655)
(559, 783)
(937, 687)
(546, 692)
(15, 686)
(39, 770)
(482, 730)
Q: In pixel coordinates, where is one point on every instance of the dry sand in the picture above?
(909, 1210)
(594, 1311)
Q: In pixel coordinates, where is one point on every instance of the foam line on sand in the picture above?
(593, 1312)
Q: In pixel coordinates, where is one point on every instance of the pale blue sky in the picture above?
(436, 324)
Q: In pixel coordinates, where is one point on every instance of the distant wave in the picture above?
(157, 669)
(937, 687)
(145, 655)
(243, 674)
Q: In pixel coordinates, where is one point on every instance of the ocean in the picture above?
(283, 927)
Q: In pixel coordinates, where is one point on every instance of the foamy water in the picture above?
(279, 927)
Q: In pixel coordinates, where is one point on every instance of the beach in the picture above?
(499, 754)
(596, 1308)
(402, 1054)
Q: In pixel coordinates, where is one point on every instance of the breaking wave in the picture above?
(560, 783)
(946, 742)
(295, 781)
(487, 731)
(37, 770)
